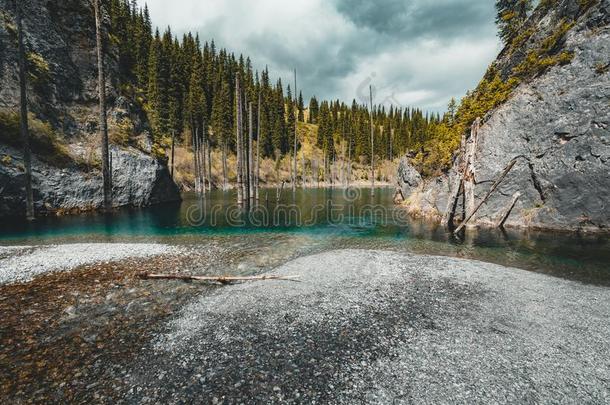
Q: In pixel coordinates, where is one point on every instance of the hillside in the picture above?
(62, 99)
(544, 102)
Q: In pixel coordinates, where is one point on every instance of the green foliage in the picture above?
(546, 55)
(39, 72)
(511, 16)
(122, 133)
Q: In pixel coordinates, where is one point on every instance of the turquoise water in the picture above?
(314, 220)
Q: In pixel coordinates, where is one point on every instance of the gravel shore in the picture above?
(381, 327)
(21, 264)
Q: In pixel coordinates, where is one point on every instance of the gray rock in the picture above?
(408, 177)
(559, 125)
(62, 33)
(138, 180)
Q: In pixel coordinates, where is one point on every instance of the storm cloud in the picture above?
(414, 52)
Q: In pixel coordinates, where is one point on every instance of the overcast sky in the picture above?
(414, 52)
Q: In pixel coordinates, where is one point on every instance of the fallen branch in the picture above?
(218, 279)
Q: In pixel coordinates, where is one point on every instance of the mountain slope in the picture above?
(62, 96)
(556, 121)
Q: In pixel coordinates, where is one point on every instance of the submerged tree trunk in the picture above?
(469, 168)
(25, 133)
(195, 148)
(209, 149)
(372, 144)
(349, 163)
(106, 170)
(294, 179)
(224, 166)
(173, 153)
(250, 153)
(238, 135)
(258, 147)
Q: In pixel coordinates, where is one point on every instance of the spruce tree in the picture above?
(511, 15)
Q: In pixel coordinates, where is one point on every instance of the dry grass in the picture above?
(273, 171)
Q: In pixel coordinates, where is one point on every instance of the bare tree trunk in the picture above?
(106, 171)
(349, 163)
(456, 188)
(303, 178)
(173, 153)
(250, 153)
(489, 193)
(224, 165)
(324, 170)
(196, 159)
(372, 144)
(296, 118)
(342, 170)
(258, 146)
(209, 149)
(25, 133)
(469, 168)
(502, 219)
(240, 189)
(203, 152)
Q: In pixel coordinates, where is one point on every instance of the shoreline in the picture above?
(390, 320)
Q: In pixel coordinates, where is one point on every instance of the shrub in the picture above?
(39, 72)
(121, 133)
(44, 142)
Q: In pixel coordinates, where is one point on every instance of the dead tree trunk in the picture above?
(238, 135)
(258, 147)
(106, 171)
(469, 168)
(23, 122)
(250, 153)
(195, 148)
(493, 188)
(349, 163)
(500, 222)
(173, 153)
(372, 144)
(303, 178)
(209, 149)
(294, 178)
(203, 152)
(225, 169)
(457, 188)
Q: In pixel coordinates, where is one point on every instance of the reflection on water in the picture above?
(315, 220)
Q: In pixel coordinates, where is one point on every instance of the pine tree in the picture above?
(301, 108)
(511, 16)
(313, 110)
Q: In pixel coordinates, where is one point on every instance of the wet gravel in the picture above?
(380, 327)
(361, 326)
(21, 264)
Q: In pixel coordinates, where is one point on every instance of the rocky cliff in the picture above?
(556, 123)
(62, 96)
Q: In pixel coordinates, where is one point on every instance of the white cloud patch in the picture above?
(415, 53)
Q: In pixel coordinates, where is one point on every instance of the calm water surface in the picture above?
(315, 220)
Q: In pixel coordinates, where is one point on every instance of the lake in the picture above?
(315, 220)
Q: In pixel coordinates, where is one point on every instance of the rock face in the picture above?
(558, 125)
(62, 91)
(138, 180)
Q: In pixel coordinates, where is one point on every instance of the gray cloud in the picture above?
(416, 52)
(415, 19)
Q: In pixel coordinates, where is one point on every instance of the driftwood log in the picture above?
(218, 279)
